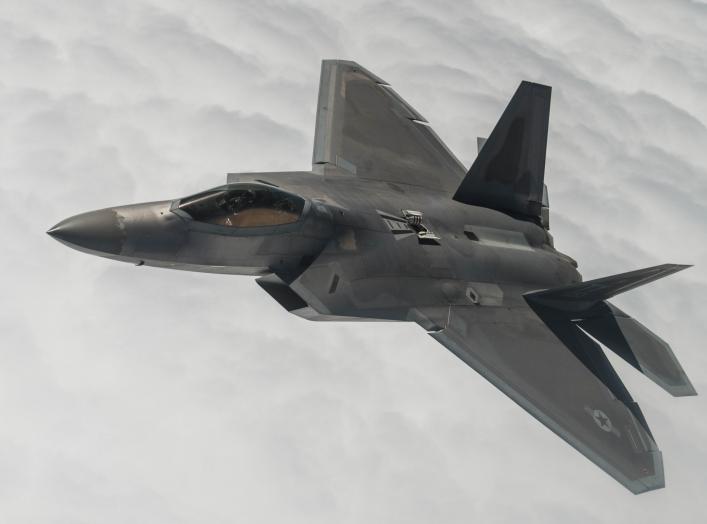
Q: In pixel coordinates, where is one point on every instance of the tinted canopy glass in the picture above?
(244, 206)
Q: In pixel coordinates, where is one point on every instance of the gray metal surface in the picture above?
(387, 226)
(516, 352)
(509, 172)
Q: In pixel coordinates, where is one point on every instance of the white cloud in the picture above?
(141, 394)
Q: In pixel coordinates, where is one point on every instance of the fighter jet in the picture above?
(389, 225)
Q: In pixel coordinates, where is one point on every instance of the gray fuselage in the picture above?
(479, 255)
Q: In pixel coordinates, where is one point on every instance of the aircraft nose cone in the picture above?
(95, 231)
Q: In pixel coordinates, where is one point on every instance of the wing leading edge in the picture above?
(567, 384)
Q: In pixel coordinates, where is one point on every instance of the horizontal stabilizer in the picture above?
(582, 296)
(638, 346)
(585, 304)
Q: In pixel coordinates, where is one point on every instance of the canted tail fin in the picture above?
(508, 174)
(585, 304)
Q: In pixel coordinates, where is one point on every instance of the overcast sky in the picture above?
(144, 395)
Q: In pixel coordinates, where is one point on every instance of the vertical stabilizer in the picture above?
(509, 172)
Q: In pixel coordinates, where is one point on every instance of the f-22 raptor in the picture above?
(389, 225)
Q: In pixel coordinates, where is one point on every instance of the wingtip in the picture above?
(677, 267)
(666, 269)
(355, 66)
(683, 390)
(650, 482)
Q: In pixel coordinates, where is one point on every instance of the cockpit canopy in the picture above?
(243, 205)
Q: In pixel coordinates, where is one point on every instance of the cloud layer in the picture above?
(137, 394)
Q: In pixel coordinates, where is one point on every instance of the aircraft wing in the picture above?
(366, 129)
(567, 384)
